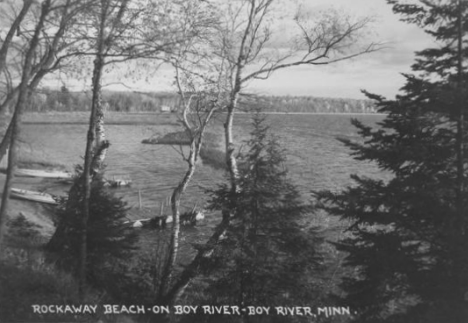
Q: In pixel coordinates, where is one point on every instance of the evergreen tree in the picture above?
(267, 255)
(108, 239)
(408, 237)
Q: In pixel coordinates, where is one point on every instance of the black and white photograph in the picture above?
(234, 161)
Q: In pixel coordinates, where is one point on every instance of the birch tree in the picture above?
(40, 49)
(113, 32)
(115, 23)
(52, 52)
(15, 130)
(251, 44)
(201, 97)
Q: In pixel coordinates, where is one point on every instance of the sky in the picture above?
(378, 72)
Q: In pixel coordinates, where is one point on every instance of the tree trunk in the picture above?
(101, 142)
(166, 277)
(459, 237)
(90, 148)
(16, 121)
(171, 295)
(9, 100)
(39, 71)
(6, 140)
(9, 177)
(193, 268)
(61, 232)
(229, 144)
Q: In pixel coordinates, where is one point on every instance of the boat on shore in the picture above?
(32, 196)
(53, 174)
(43, 173)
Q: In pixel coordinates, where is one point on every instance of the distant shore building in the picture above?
(165, 108)
(105, 106)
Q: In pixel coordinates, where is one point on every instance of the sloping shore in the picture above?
(41, 215)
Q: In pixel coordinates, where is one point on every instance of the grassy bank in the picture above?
(27, 279)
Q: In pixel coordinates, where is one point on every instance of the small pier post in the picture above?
(139, 199)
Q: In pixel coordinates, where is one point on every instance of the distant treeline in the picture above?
(48, 100)
(307, 104)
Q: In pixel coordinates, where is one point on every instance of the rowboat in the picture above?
(33, 196)
(119, 182)
(43, 173)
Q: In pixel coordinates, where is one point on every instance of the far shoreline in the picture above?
(151, 118)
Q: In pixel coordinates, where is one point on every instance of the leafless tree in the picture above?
(16, 120)
(254, 50)
(201, 97)
(41, 39)
(116, 26)
(251, 44)
(53, 49)
(112, 32)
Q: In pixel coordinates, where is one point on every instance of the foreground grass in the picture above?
(26, 279)
(30, 282)
(29, 278)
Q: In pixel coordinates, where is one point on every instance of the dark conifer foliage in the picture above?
(408, 238)
(267, 258)
(108, 238)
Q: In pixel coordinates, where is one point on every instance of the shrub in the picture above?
(20, 228)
